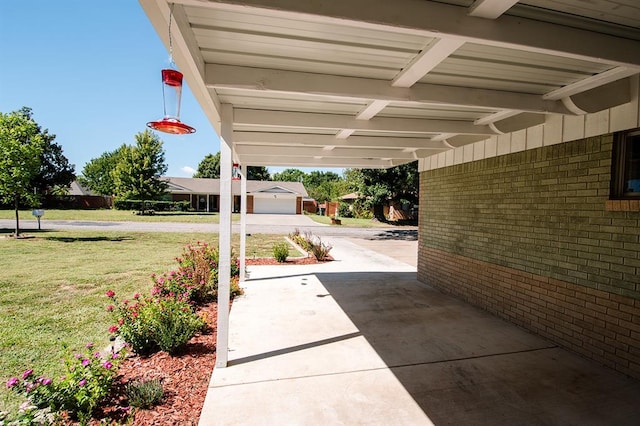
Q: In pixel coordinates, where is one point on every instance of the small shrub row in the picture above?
(152, 205)
(166, 320)
(311, 244)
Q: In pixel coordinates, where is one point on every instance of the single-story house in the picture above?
(262, 196)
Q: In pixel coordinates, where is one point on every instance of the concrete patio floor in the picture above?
(361, 341)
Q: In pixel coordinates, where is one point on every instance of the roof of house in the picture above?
(178, 185)
(76, 189)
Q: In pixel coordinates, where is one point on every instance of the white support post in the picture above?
(243, 223)
(224, 262)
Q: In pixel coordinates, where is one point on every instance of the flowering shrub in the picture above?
(155, 323)
(197, 274)
(87, 382)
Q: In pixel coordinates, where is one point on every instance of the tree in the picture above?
(97, 174)
(378, 187)
(290, 175)
(21, 147)
(137, 174)
(258, 173)
(209, 167)
(55, 170)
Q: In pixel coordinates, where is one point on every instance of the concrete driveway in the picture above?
(290, 220)
(360, 341)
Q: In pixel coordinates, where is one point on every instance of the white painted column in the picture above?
(243, 223)
(224, 262)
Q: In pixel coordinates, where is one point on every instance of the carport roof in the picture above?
(361, 83)
(184, 185)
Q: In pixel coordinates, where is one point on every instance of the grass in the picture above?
(117, 216)
(52, 290)
(349, 222)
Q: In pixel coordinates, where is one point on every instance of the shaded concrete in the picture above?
(360, 341)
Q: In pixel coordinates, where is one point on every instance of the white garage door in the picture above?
(274, 205)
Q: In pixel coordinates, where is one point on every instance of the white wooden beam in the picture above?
(425, 61)
(372, 110)
(591, 83)
(500, 115)
(435, 19)
(302, 139)
(490, 9)
(271, 80)
(263, 160)
(292, 151)
(301, 120)
(224, 233)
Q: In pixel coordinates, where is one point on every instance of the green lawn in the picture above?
(118, 216)
(52, 289)
(350, 222)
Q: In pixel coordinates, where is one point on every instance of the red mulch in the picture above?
(185, 377)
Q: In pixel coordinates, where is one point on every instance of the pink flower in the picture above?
(85, 362)
(120, 321)
(110, 308)
(46, 381)
(97, 355)
(26, 374)
(136, 296)
(110, 293)
(82, 382)
(12, 382)
(89, 345)
(155, 290)
(113, 329)
(107, 365)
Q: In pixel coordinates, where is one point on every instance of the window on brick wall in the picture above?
(625, 183)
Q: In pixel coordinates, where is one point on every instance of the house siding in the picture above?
(528, 236)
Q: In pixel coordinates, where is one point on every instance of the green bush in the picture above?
(345, 210)
(154, 205)
(151, 324)
(281, 251)
(144, 393)
(87, 382)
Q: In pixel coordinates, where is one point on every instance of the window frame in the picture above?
(619, 164)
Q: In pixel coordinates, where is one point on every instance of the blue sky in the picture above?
(91, 73)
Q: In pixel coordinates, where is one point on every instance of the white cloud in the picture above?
(188, 170)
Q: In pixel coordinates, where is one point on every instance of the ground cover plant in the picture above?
(53, 289)
(312, 244)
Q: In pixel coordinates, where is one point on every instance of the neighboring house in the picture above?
(78, 197)
(262, 196)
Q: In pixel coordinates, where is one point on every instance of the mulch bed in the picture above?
(185, 377)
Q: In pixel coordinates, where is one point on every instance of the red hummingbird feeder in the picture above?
(171, 94)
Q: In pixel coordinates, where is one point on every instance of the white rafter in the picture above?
(293, 151)
(434, 19)
(301, 120)
(302, 139)
(590, 83)
(263, 79)
(490, 9)
(425, 61)
(366, 163)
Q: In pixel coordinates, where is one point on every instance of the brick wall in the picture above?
(528, 237)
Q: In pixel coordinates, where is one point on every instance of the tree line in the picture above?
(32, 165)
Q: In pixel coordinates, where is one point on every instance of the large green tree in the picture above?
(289, 175)
(21, 147)
(209, 167)
(97, 174)
(377, 187)
(139, 169)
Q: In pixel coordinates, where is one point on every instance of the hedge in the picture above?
(160, 206)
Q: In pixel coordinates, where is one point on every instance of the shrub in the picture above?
(156, 205)
(87, 383)
(345, 210)
(281, 251)
(149, 324)
(199, 265)
(144, 393)
(321, 250)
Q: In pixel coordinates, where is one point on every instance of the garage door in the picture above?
(274, 205)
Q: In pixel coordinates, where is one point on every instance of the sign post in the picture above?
(38, 213)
